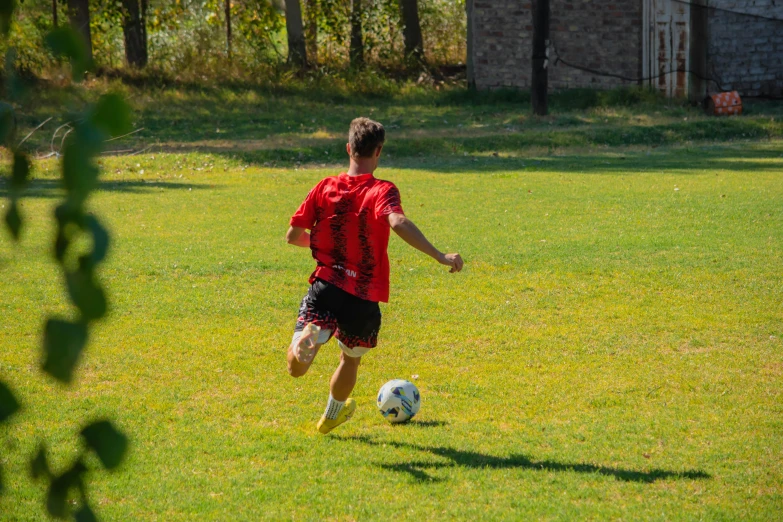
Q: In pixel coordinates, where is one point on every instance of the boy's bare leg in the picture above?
(303, 349)
(296, 368)
(344, 377)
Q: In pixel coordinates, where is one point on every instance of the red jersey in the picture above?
(349, 232)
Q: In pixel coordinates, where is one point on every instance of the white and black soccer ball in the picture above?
(399, 400)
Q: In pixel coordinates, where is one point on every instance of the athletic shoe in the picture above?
(305, 348)
(326, 425)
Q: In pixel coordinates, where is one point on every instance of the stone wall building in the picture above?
(682, 46)
(745, 53)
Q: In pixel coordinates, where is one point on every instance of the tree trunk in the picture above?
(471, 70)
(357, 45)
(79, 18)
(311, 37)
(411, 31)
(228, 29)
(133, 27)
(54, 12)
(297, 52)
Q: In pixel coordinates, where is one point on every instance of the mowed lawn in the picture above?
(612, 350)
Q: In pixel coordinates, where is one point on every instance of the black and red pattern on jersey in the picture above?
(349, 232)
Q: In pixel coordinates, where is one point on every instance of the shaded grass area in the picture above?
(266, 127)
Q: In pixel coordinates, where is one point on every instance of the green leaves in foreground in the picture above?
(20, 172)
(109, 445)
(8, 406)
(85, 292)
(112, 115)
(64, 340)
(8, 403)
(6, 12)
(7, 124)
(60, 486)
(67, 43)
(39, 466)
(13, 219)
(63, 343)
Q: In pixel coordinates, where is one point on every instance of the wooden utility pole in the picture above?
(540, 79)
(697, 82)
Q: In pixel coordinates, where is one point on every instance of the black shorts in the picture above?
(354, 321)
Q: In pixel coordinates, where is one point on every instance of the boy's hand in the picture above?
(452, 260)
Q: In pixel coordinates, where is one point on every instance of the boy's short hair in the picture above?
(364, 136)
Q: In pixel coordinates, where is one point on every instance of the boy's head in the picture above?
(365, 137)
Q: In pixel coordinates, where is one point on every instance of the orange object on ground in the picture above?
(723, 103)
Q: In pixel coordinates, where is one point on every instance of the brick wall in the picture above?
(502, 35)
(746, 53)
(599, 34)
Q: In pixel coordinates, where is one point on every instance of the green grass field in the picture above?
(612, 350)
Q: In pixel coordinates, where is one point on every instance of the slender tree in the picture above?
(134, 28)
(312, 9)
(411, 32)
(297, 52)
(228, 28)
(79, 18)
(357, 45)
(54, 12)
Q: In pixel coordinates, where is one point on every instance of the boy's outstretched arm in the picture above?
(411, 234)
(298, 236)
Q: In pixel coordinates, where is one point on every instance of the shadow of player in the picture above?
(471, 459)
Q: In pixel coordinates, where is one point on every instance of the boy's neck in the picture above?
(362, 166)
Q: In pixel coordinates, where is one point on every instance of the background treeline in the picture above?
(212, 38)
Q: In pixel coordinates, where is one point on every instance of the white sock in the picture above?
(333, 408)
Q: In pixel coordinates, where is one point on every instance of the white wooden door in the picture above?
(665, 45)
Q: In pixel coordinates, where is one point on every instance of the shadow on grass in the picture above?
(425, 424)
(52, 188)
(551, 150)
(474, 460)
(679, 160)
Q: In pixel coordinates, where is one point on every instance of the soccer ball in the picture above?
(399, 400)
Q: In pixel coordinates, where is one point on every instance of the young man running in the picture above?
(349, 217)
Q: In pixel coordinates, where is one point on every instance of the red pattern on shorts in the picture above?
(327, 321)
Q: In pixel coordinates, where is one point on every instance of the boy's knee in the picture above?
(347, 359)
(295, 370)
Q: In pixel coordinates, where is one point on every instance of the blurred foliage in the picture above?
(64, 339)
(443, 25)
(187, 38)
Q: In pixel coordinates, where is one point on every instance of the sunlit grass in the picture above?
(612, 350)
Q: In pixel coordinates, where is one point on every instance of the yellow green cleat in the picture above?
(326, 425)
